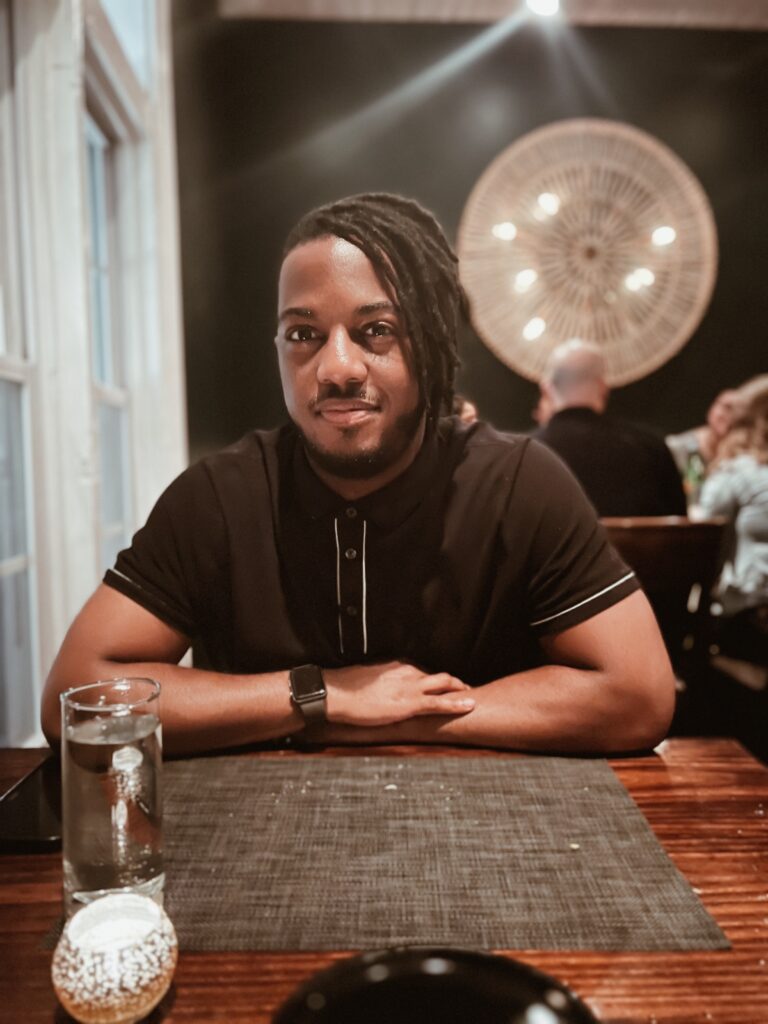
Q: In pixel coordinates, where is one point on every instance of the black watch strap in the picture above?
(308, 692)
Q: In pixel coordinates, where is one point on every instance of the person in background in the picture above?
(737, 487)
(465, 409)
(375, 570)
(625, 470)
(694, 449)
(542, 411)
(751, 389)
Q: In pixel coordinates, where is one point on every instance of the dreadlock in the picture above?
(407, 246)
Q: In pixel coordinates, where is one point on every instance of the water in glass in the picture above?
(112, 816)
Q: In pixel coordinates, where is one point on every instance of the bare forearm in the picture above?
(553, 709)
(114, 637)
(200, 710)
(204, 710)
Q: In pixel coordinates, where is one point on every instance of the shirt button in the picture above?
(351, 610)
(351, 512)
(350, 554)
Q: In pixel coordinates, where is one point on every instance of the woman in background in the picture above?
(737, 487)
(694, 449)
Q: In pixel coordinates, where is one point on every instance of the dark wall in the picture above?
(276, 117)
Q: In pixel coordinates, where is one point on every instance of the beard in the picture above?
(366, 462)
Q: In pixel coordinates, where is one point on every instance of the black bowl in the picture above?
(432, 985)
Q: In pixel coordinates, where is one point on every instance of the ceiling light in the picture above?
(534, 329)
(506, 230)
(640, 278)
(549, 202)
(525, 279)
(664, 235)
(544, 8)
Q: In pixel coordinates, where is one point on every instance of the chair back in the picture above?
(671, 555)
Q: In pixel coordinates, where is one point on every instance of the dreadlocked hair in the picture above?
(409, 249)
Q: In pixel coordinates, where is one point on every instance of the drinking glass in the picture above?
(111, 795)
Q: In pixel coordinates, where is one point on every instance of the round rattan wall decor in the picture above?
(588, 229)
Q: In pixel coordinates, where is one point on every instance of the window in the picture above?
(18, 695)
(100, 198)
(91, 359)
(111, 396)
(18, 710)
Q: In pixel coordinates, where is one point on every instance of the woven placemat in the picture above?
(363, 852)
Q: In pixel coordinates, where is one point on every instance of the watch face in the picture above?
(307, 683)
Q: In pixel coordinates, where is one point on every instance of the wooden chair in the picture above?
(677, 561)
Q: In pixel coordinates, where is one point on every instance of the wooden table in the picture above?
(706, 800)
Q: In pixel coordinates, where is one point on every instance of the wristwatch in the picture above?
(308, 692)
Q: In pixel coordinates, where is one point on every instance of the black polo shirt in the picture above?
(624, 470)
(485, 543)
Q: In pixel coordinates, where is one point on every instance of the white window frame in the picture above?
(16, 368)
(71, 59)
(108, 307)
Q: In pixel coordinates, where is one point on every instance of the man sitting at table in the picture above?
(374, 568)
(624, 469)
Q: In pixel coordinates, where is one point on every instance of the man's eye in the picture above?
(381, 329)
(303, 333)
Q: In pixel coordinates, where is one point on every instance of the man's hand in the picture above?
(392, 692)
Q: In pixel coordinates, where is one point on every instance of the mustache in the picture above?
(351, 391)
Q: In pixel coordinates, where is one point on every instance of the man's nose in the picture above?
(341, 360)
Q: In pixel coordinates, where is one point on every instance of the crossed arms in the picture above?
(609, 688)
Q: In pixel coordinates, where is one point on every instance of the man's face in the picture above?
(345, 364)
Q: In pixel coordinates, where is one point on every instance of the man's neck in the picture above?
(593, 402)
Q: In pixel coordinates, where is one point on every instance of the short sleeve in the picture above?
(572, 571)
(173, 561)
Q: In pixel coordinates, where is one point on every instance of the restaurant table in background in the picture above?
(706, 801)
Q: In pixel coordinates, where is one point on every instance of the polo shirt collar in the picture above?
(577, 412)
(385, 508)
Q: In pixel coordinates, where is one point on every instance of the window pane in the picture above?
(18, 704)
(114, 491)
(101, 326)
(13, 523)
(97, 146)
(11, 341)
(132, 23)
(97, 200)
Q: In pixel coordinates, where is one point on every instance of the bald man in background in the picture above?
(625, 470)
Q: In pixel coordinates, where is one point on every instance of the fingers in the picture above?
(441, 682)
(445, 704)
(386, 694)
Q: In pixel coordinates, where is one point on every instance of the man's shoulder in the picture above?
(636, 433)
(481, 436)
(482, 446)
(252, 445)
(254, 457)
(572, 421)
(487, 454)
(256, 448)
